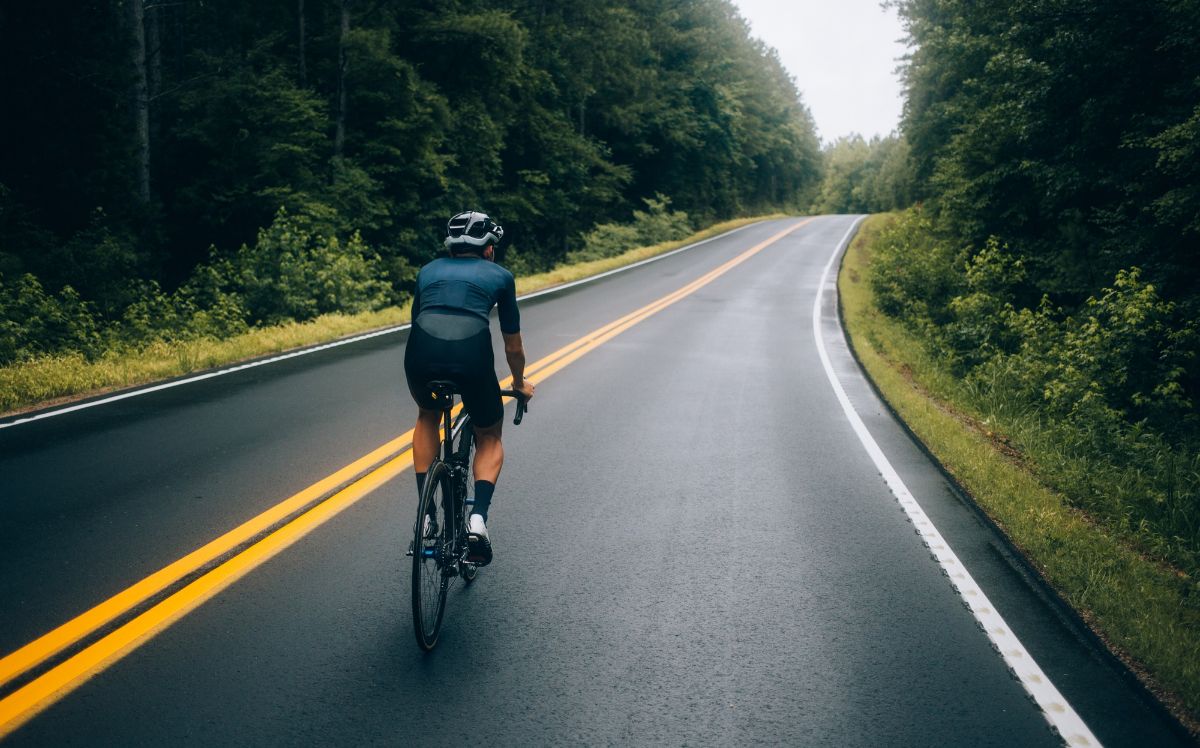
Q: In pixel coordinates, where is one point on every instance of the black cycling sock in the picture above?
(420, 484)
(483, 497)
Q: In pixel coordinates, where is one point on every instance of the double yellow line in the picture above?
(253, 543)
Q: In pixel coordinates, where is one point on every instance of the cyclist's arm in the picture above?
(510, 329)
(514, 351)
(416, 301)
(506, 305)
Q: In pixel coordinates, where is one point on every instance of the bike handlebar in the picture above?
(522, 404)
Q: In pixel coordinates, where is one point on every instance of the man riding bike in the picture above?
(450, 339)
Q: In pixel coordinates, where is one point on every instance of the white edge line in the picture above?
(346, 341)
(197, 378)
(1061, 716)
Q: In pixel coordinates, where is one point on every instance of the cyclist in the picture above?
(450, 339)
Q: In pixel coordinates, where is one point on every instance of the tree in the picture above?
(139, 100)
(151, 131)
(1058, 127)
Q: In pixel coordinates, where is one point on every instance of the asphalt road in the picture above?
(693, 547)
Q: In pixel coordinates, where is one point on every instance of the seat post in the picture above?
(447, 426)
(443, 392)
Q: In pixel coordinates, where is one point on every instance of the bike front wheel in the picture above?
(433, 537)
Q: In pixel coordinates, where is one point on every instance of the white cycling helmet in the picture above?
(474, 229)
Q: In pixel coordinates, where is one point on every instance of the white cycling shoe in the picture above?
(479, 543)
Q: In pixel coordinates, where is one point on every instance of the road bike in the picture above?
(439, 546)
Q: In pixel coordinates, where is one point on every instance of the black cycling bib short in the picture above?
(450, 338)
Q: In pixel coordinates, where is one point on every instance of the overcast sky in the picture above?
(843, 54)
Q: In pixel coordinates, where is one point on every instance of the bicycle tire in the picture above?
(429, 580)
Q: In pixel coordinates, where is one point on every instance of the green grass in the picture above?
(54, 379)
(1146, 611)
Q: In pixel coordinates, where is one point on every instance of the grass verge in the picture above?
(1145, 611)
(53, 380)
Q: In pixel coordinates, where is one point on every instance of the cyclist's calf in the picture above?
(489, 452)
(426, 438)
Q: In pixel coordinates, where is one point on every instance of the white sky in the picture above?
(843, 55)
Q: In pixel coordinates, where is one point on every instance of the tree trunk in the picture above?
(154, 67)
(339, 136)
(303, 65)
(139, 98)
(153, 26)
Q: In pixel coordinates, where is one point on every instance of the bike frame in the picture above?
(449, 549)
(457, 462)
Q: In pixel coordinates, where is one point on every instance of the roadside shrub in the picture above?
(34, 322)
(521, 261)
(1100, 397)
(980, 326)
(293, 274)
(1127, 350)
(652, 226)
(99, 263)
(199, 309)
(1131, 349)
(658, 223)
(913, 274)
(606, 240)
(1114, 426)
(154, 316)
(216, 311)
(401, 278)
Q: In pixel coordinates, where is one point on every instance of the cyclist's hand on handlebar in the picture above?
(526, 389)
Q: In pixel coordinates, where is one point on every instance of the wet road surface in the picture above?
(692, 548)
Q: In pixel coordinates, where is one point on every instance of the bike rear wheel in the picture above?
(433, 537)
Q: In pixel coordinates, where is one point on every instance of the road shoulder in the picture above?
(1091, 574)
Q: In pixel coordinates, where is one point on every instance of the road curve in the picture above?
(693, 547)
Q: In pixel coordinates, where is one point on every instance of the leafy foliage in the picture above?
(294, 274)
(1052, 263)
(652, 226)
(909, 274)
(1066, 129)
(1107, 382)
(368, 123)
(33, 321)
(865, 177)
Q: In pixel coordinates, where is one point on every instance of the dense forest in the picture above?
(1053, 149)
(200, 166)
(862, 176)
(182, 170)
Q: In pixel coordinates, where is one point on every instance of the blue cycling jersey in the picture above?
(468, 286)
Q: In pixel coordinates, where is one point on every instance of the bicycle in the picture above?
(439, 546)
